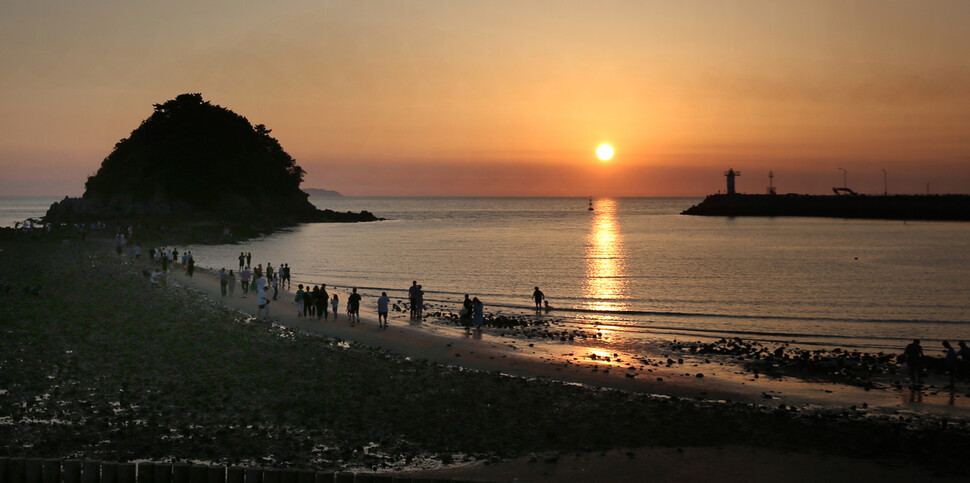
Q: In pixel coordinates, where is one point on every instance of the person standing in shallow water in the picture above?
(242, 260)
(232, 283)
(334, 304)
(538, 296)
(413, 298)
(249, 259)
(914, 360)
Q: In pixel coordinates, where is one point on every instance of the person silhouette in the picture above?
(538, 296)
(478, 308)
(950, 361)
(914, 359)
(382, 304)
(413, 298)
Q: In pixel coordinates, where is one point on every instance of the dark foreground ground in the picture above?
(99, 365)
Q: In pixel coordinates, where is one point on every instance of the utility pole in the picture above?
(885, 184)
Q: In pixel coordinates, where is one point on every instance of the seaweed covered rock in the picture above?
(193, 159)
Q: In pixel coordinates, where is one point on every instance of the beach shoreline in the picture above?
(697, 377)
(429, 346)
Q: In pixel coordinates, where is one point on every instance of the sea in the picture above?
(634, 270)
(15, 210)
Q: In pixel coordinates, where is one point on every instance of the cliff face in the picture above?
(194, 159)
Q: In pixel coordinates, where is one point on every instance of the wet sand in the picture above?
(559, 362)
(575, 363)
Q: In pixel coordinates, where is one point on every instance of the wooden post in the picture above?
(109, 472)
(71, 471)
(52, 471)
(216, 474)
(91, 472)
(163, 473)
(235, 475)
(33, 470)
(271, 475)
(15, 470)
(146, 472)
(126, 473)
(254, 475)
(180, 472)
(198, 474)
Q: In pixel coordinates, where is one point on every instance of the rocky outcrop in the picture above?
(194, 160)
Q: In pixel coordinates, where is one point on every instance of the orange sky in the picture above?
(508, 97)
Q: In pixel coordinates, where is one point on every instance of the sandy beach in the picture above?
(697, 377)
(627, 420)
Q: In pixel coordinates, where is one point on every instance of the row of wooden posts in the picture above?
(38, 470)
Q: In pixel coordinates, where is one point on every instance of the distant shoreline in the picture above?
(322, 192)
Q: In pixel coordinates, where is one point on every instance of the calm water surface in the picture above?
(634, 268)
(16, 209)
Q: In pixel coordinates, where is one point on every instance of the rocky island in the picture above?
(198, 163)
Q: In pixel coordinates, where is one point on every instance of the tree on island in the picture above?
(194, 159)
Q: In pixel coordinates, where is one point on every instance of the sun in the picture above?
(604, 152)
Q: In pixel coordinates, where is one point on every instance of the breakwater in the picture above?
(38, 470)
(896, 207)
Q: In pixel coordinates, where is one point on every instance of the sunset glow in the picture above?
(604, 152)
(605, 282)
(416, 98)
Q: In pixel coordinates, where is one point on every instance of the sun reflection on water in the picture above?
(605, 259)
